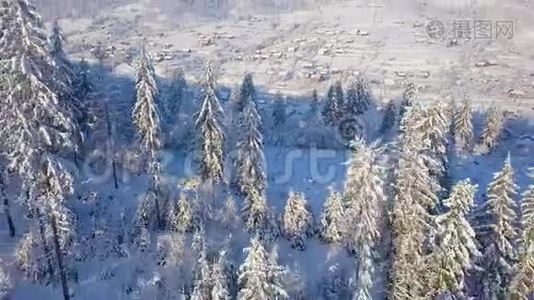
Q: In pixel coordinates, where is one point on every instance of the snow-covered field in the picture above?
(295, 52)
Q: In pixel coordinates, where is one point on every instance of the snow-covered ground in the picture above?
(295, 52)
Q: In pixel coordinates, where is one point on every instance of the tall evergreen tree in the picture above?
(492, 129)
(202, 280)
(358, 98)
(334, 284)
(333, 222)
(34, 126)
(527, 215)
(220, 289)
(279, 112)
(65, 70)
(366, 200)
(246, 94)
(390, 117)
(65, 74)
(498, 233)
(416, 197)
(340, 95)
(463, 127)
(434, 127)
(175, 96)
(255, 210)
(408, 98)
(314, 105)
(229, 215)
(257, 274)
(146, 119)
(209, 124)
(145, 113)
(182, 218)
(456, 249)
(250, 162)
(522, 285)
(297, 221)
(331, 112)
(82, 84)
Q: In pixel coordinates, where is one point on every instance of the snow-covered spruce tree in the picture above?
(463, 127)
(65, 74)
(64, 69)
(170, 258)
(246, 93)
(297, 223)
(34, 125)
(142, 240)
(257, 273)
(340, 95)
(5, 281)
(170, 250)
(527, 215)
(366, 203)
(145, 112)
(331, 112)
(412, 224)
(278, 275)
(174, 97)
(390, 117)
(250, 161)
(33, 121)
(314, 105)
(182, 218)
(408, 98)
(255, 210)
(333, 223)
(220, 278)
(364, 196)
(229, 215)
(279, 112)
(456, 249)
(492, 129)
(334, 284)
(146, 119)
(498, 233)
(82, 85)
(434, 128)
(209, 125)
(56, 185)
(522, 285)
(202, 281)
(358, 98)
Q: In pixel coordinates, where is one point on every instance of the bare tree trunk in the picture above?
(7, 210)
(76, 163)
(111, 146)
(158, 213)
(59, 258)
(114, 166)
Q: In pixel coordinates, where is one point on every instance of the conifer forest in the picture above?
(266, 149)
